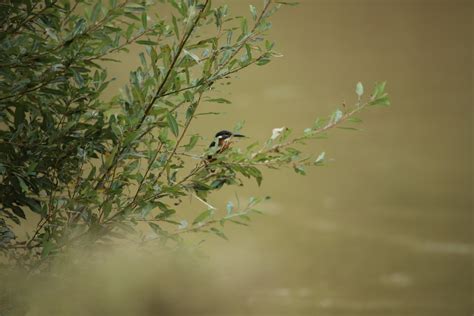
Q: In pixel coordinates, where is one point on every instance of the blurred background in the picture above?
(386, 227)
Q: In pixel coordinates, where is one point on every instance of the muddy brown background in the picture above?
(384, 229)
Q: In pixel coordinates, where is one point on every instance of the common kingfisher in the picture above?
(224, 140)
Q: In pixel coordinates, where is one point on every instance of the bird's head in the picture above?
(226, 136)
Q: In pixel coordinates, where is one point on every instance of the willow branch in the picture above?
(160, 90)
(320, 130)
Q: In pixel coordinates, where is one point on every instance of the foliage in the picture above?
(93, 169)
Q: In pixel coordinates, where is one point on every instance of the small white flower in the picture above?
(276, 132)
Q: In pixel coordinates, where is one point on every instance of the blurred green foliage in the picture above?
(94, 169)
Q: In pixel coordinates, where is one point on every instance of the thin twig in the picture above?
(150, 165)
(317, 131)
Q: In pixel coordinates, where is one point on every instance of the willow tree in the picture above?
(91, 169)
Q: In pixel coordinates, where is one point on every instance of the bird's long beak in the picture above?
(238, 135)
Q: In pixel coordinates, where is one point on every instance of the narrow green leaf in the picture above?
(263, 61)
(219, 233)
(229, 37)
(34, 205)
(203, 216)
(155, 227)
(192, 142)
(288, 3)
(52, 33)
(193, 56)
(144, 19)
(243, 26)
(299, 170)
(47, 247)
(379, 89)
(146, 42)
(107, 208)
(348, 128)
(382, 101)
(32, 167)
(96, 11)
(146, 210)
(18, 211)
(172, 124)
(175, 27)
(238, 223)
(23, 185)
(219, 100)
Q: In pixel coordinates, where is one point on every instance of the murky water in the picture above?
(386, 228)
